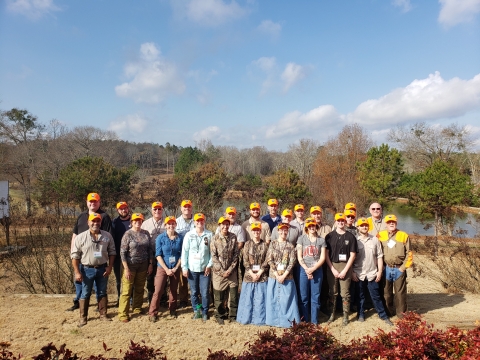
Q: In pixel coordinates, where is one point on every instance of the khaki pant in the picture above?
(334, 284)
(400, 297)
(136, 283)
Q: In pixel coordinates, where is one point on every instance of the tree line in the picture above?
(54, 167)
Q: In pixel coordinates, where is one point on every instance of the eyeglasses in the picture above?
(376, 209)
(350, 216)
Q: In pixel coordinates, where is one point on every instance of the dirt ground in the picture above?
(29, 322)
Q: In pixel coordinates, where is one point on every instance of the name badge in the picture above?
(255, 267)
(281, 267)
(171, 259)
(97, 254)
(342, 257)
(196, 256)
(391, 243)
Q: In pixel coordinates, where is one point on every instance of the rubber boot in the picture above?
(332, 306)
(346, 308)
(102, 309)
(83, 307)
(74, 307)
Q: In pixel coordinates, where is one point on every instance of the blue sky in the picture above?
(242, 73)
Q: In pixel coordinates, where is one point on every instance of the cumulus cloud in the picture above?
(125, 125)
(209, 133)
(404, 5)
(292, 74)
(153, 78)
(33, 9)
(421, 100)
(268, 66)
(208, 12)
(296, 122)
(454, 12)
(270, 28)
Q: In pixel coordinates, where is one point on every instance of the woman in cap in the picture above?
(311, 256)
(168, 251)
(136, 252)
(251, 308)
(281, 304)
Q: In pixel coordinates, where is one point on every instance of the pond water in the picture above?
(408, 220)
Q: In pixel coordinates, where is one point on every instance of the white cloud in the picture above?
(295, 122)
(267, 65)
(208, 12)
(209, 133)
(270, 28)
(33, 9)
(127, 124)
(292, 74)
(425, 99)
(152, 77)
(454, 12)
(404, 5)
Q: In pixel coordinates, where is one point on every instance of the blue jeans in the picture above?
(79, 286)
(91, 277)
(310, 295)
(374, 290)
(199, 285)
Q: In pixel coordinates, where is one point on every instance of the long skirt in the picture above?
(281, 304)
(251, 308)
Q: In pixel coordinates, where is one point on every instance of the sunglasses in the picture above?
(350, 216)
(376, 209)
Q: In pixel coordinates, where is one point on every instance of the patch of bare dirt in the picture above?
(29, 322)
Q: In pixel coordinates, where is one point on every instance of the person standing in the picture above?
(281, 304)
(196, 262)
(316, 214)
(81, 225)
(224, 250)
(168, 254)
(341, 252)
(397, 257)
(350, 216)
(272, 218)
(137, 254)
(251, 308)
(93, 254)
(311, 256)
(155, 227)
(375, 221)
(299, 221)
(119, 226)
(254, 218)
(185, 223)
(293, 232)
(367, 271)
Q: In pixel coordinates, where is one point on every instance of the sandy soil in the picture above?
(29, 322)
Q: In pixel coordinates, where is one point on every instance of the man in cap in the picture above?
(185, 223)
(293, 232)
(272, 218)
(81, 225)
(225, 250)
(255, 218)
(299, 221)
(397, 257)
(367, 271)
(316, 214)
(120, 225)
(155, 227)
(341, 251)
(234, 228)
(94, 249)
(350, 216)
(375, 221)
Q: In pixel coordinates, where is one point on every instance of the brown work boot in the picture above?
(102, 309)
(83, 307)
(332, 305)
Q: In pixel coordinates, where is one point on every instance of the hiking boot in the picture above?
(102, 309)
(74, 307)
(345, 319)
(205, 318)
(173, 314)
(361, 319)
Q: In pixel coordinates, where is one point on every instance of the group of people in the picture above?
(282, 262)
